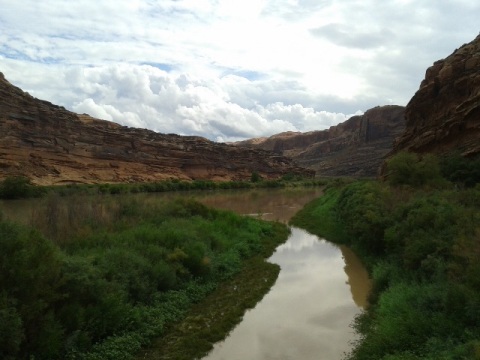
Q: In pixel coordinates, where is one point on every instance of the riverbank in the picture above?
(18, 187)
(127, 276)
(216, 315)
(420, 239)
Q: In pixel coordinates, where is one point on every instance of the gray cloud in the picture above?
(351, 36)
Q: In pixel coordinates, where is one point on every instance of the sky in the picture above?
(228, 70)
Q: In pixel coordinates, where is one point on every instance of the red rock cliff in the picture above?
(355, 147)
(444, 114)
(51, 145)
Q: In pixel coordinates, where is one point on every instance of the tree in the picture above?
(410, 169)
(15, 187)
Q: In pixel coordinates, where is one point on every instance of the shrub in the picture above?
(424, 232)
(411, 169)
(256, 177)
(30, 277)
(362, 208)
(461, 170)
(16, 187)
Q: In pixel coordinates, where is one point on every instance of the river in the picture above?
(320, 289)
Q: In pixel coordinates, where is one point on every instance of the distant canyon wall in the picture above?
(355, 147)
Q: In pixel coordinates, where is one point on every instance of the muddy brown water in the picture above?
(320, 289)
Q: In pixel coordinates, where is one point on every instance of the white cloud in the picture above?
(228, 70)
(143, 96)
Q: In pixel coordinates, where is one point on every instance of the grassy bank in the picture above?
(419, 235)
(18, 187)
(129, 276)
(212, 319)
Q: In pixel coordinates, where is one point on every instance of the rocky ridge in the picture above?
(444, 114)
(51, 145)
(355, 147)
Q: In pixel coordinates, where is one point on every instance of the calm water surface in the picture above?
(320, 288)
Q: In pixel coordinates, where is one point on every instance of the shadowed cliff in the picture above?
(444, 114)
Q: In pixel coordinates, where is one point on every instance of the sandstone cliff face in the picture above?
(51, 145)
(444, 114)
(355, 147)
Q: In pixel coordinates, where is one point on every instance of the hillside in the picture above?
(51, 145)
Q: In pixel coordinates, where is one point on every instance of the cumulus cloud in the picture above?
(148, 97)
(228, 70)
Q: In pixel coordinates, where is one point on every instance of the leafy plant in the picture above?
(412, 169)
(16, 187)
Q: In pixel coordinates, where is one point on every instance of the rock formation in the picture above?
(51, 145)
(355, 147)
(444, 114)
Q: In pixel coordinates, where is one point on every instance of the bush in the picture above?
(30, 278)
(16, 187)
(362, 208)
(411, 169)
(256, 177)
(461, 170)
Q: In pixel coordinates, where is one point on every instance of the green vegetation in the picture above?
(414, 170)
(256, 177)
(461, 170)
(126, 276)
(419, 236)
(20, 187)
(212, 318)
(16, 187)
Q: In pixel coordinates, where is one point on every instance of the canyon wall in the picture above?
(356, 147)
(444, 114)
(51, 145)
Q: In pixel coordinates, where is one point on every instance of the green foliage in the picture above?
(362, 208)
(16, 187)
(106, 293)
(407, 317)
(461, 170)
(412, 169)
(424, 232)
(30, 278)
(11, 328)
(319, 217)
(422, 248)
(256, 177)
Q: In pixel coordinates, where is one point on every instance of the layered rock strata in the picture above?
(51, 145)
(444, 114)
(355, 147)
